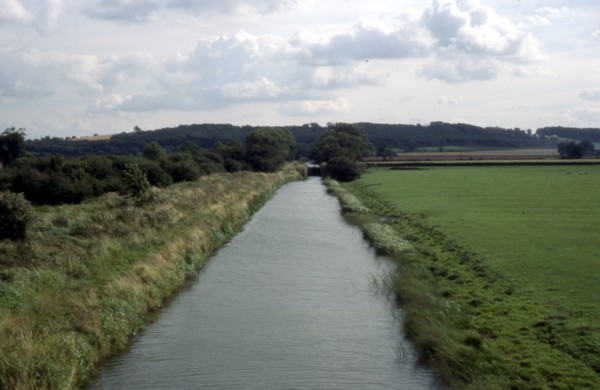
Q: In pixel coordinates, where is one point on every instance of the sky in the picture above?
(82, 67)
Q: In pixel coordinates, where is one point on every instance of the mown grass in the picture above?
(499, 287)
(90, 275)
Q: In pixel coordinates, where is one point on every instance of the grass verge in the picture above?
(91, 275)
(474, 325)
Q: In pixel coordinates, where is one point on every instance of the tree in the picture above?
(153, 151)
(268, 148)
(570, 150)
(342, 169)
(12, 145)
(342, 140)
(587, 148)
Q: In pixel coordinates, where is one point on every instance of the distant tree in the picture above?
(268, 148)
(383, 150)
(342, 140)
(153, 151)
(136, 129)
(587, 148)
(570, 150)
(12, 145)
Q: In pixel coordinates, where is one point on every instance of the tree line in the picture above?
(382, 136)
(62, 179)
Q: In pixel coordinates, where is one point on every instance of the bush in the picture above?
(342, 169)
(15, 215)
(136, 183)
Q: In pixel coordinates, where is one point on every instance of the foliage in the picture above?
(268, 148)
(15, 216)
(12, 145)
(136, 183)
(153, 151)
(342, 169)
(570, 150)
(342, 140)
(396, 136)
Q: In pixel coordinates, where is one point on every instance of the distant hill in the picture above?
(589, 134)
(398, 136)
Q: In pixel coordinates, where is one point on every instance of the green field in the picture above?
(535, 228)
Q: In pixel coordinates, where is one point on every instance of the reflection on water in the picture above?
(288, 304)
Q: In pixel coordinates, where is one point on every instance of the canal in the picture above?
(290, 303)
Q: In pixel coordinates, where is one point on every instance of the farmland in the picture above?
(515, 250)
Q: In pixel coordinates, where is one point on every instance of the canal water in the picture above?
(290, 303)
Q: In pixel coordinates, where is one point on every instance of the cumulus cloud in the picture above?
(25, 74)
(471, 40)
(371, 39)
(12, 11)
(316, 107)
(590, 94)
(461, 70)
(544, 16)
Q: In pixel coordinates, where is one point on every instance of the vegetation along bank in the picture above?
(497, 272)
(90, 275)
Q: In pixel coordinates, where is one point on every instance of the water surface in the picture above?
(290, 303)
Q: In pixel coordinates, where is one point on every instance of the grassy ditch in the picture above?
(90, 275)
(476, 324)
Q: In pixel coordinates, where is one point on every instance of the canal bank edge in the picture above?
(92, 275)
(437, 283)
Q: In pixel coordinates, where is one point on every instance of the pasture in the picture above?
(535, 229)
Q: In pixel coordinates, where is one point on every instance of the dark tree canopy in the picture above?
(342, 140)
(12, 145)
(342, 169)
(572, 149)
(268, 148)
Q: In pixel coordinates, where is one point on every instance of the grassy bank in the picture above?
(497, 270)
(89, 276)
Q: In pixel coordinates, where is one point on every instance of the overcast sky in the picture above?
(79, 67)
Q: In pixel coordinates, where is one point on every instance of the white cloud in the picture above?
(13, 11)
(590, 94)
(316, 107)
(25, 74)
(461, 69)
(371, 39)
(471, 41)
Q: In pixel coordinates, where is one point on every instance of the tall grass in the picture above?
(479, 327)
(90, 275)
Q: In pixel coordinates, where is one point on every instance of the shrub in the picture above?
(15, 215)
(136, 183)
(343, 169)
